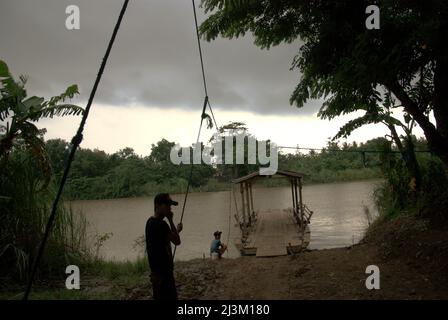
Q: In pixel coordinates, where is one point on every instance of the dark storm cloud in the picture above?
(154, 61)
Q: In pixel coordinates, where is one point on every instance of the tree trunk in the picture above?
(437, 142)
(408, 154)
(396, 138)
(440, 103)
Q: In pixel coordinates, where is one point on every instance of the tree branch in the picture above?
(412, 108)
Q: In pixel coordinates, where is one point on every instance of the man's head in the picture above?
(163, 203)
(217, 234)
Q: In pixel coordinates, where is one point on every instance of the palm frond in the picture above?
(4, 110)
(33, 102)
(36, 145)
(69, 93)
(57, 110)
(4, 71)
(367, 118)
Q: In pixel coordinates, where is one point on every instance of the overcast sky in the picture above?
(152, 86)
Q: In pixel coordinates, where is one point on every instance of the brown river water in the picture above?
(339, 218)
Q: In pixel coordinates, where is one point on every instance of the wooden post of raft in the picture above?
(301, 203)
(293, 198)
(297, 201)
(252, 201)
(246, 185)
(242, 204)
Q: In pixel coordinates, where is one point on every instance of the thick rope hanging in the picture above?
(200, 48)
(202, 64)
(191, 165)
(203, 114)
(213, 116)
(75, 143)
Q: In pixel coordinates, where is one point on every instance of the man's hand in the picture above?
(174, 234)
(180, 226)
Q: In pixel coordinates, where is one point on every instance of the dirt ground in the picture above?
(324, 274)
(412, 260)
(411, 254)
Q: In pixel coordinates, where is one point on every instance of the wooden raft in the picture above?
(272, 232)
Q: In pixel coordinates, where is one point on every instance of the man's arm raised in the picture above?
(174, 234)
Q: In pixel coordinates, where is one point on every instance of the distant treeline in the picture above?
(97, 175)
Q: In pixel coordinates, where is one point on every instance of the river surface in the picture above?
(339, 218)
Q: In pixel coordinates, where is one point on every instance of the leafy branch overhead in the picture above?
(347, 65)
(354, 124)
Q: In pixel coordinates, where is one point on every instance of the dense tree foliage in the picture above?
(18, 112)
(96, 174)
(26, 191)
(347, 64)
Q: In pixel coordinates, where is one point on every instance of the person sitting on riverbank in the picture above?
(217, 248)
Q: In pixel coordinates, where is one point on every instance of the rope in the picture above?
(230, 217)
(213, 116)
(206, 103)
(191, 165)
(341, 150)
(200, 49)
(191, 170)
(202, 63)
(75, 143)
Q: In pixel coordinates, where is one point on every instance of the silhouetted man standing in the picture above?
(159, 236)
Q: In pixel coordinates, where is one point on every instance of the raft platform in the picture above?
(274, 232)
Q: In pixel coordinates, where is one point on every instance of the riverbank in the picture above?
(213, 185)
(412, 256)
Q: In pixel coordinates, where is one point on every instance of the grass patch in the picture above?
(100, 280)
(116, 269)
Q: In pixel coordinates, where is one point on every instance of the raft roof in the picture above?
(256, 174)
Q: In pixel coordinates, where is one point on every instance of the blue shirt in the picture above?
(214, 247)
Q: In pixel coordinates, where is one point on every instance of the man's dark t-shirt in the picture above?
(158, 246)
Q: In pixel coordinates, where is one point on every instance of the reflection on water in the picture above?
(338, 218)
